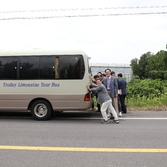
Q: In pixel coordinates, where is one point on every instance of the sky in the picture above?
(111, 38)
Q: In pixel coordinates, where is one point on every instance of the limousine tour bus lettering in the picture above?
(44, 81)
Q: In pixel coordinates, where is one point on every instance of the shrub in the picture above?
(147, 94)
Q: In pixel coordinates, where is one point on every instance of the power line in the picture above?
(83, 15)
(82, 9)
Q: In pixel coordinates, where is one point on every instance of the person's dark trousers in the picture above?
(92, 95)
(123, 106)
(98, 105)
(119, 104)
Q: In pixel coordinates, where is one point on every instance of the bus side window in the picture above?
(47, 67)
(8, 67)
(71, 67)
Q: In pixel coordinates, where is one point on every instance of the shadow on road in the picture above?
(61, 115)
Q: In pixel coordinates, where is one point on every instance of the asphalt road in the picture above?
(78, 139)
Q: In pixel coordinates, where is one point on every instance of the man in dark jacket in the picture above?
(122, 84)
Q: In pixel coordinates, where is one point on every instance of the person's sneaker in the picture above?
(105, 122)
(120, 114)
(116, 121)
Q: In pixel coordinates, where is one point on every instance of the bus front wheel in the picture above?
(41, 110)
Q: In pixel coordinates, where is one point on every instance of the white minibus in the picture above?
(44, 81)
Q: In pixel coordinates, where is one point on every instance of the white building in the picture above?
(125, 69)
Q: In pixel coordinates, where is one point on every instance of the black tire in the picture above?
(41, 110)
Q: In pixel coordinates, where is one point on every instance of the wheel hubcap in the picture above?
(40, 110)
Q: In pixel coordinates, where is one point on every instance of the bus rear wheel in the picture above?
(41, 110)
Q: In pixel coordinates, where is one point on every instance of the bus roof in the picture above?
(39, 52)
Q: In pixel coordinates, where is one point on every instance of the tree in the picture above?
(140, 67)
(158, 65)
(134, 65)
(144, 65)
(150, 65)
(158, 61)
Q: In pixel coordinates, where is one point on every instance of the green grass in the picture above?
(147, 103)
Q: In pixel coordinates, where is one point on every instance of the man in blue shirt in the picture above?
(111, 84)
